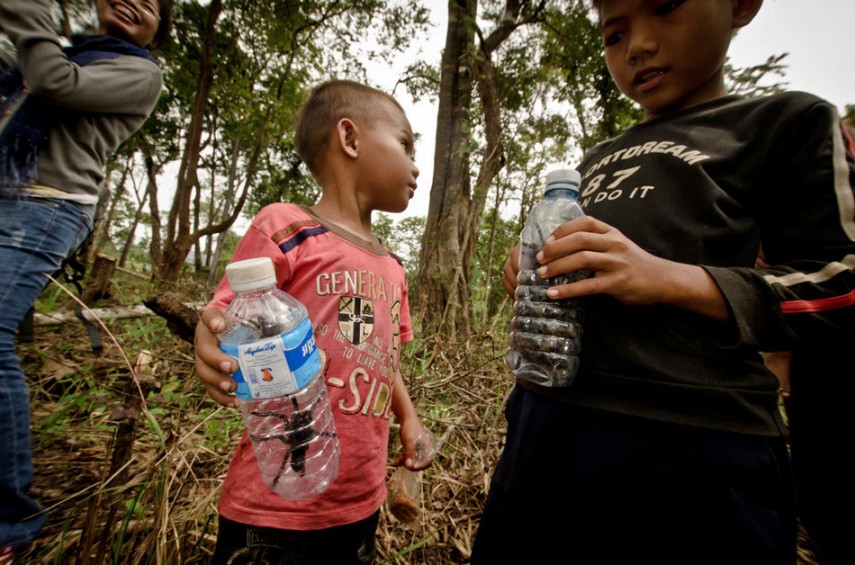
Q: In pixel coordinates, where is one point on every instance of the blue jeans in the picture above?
(36, 235)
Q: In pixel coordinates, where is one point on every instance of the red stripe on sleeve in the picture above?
(850, 144)
(822, 305)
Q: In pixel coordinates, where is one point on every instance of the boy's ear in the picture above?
(347, 136)
(744, 11)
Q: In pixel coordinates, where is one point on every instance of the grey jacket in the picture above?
(105, 101)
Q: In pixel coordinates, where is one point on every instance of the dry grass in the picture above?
(131, 482)
(127, 482)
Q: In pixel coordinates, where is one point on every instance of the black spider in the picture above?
(265, 325)
(298, 433)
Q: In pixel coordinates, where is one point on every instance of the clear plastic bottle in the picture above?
(546, 334)
(281, 389)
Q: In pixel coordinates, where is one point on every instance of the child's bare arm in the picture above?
(412, 432)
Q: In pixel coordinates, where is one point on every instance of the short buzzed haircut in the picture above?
(330, 102)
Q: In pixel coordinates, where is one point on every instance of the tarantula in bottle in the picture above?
(297, 435)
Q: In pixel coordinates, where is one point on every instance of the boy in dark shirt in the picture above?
(669, 446)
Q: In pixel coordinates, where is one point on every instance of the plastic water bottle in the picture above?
(281, 390)
(545, 333)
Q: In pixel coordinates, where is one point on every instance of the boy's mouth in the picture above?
(648, 78)
(125, 12)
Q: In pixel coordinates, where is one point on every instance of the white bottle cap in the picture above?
(563, 178)
(251, 274)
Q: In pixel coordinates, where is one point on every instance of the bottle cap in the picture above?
(251, 274)
(569, 179)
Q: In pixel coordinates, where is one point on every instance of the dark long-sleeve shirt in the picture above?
(711, 186)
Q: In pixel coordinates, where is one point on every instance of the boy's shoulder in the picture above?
(281, 212)
(772, 117)
(730, 110)
(281, 220)
(790, 102)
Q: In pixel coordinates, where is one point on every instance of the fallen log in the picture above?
(112, 313)
(117, 312)
(180, 318)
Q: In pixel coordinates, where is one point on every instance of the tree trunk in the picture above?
(441, 278)
(154, 209)
(180, 318)
(100, 274)
(213, 275)
(107, 221)
(454, 214)
(136, 221)
(178, 241)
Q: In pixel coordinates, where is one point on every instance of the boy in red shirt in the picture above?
(358, 144)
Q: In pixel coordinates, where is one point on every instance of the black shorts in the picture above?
(351, 544)
(576, 485)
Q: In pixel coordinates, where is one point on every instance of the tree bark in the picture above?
(107, 221)
(153, 206)
(441, 278)
(100, 274)
(178, 241)
(454, 214)
(213, 275)
(126, 250)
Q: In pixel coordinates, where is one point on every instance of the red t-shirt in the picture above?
(356, 295)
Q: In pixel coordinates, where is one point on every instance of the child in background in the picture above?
(64, 112)
(669, 447)
(358, 144)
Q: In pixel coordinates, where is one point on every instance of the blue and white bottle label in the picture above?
(276, 366)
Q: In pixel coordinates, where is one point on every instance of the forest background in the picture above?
(129, 452)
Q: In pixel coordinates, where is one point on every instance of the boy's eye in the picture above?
(612, 39)
(667, 7)
(149, 8)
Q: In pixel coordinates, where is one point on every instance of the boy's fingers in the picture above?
(213, 320)
(221, 397)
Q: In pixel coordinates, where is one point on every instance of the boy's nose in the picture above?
(641, 43)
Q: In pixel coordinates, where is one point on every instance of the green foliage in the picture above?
(50, 299)
(488, 294)
(266, 56)
(403, 237)
(283, 179)
(577, 71)
(750, 81)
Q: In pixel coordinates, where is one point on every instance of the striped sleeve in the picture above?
(815, 281)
